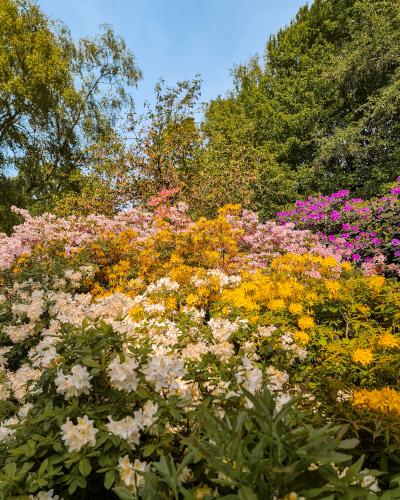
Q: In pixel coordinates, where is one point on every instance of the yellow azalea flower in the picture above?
(376, 281)
(332, 286)
(192, 299)
(276, 304)
(301, 337)
(330, 262)
(170, 303)
(363, 356)
(346, 266)
(202, 492)
(306, 322)
(363, 309)
(386, 400)
(311, 298)
(296, 308)
(388, 340)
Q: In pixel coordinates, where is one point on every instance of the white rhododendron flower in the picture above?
(128, 475)
(75, 384)
(186, 476)
(44, 495)
(6, 434)
(163, 372)
(281, 400)
(163, 283)
(128, 428)
(3, 360)
(20, 332)
(250, 376)
(123, 375)
(369, 482)
(21, 381)
(77, 436)
(277, 379)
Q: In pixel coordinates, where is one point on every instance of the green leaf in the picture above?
(148, 450)
(10, 470)
(245, 493)
(42, 468)
(72, 487)
(123, 493)
(109, 479)
(81, 481)
(187, 495)
(84, 467)
(143, 393)
(89, 361)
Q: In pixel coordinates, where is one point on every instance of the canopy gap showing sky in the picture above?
(178, 39)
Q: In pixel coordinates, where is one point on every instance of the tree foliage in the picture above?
(56, 95)
(322, 102)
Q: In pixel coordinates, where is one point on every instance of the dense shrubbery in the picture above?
(156, 357)
(369, 229)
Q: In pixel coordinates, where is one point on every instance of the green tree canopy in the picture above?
(322, 103)
(55, 97)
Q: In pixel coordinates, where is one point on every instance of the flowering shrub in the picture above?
(150, 356)
(368, 229)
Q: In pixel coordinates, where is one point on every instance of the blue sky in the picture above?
(178, 39)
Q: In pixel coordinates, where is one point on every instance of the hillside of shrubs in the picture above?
(201, 309)
(147, 355)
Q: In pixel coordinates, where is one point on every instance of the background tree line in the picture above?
(317, 112)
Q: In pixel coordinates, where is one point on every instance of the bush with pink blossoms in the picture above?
(369, 229)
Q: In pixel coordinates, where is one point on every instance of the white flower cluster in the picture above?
(250, 376)
(162, 285)
(74, 277)
(3, 360)
(287, 343)
(33, 308)
(75, 384)
(44, 353)
(44, 495)
(129, 478)
(367, 481)
(77, 436)
(21, 381)
(129, 428)
(277, 378)
(165, 372)
(123, 375)
(6, 434)
(343, 396)
(20, 332)
(195, 314)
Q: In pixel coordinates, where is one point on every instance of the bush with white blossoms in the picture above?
(130, 370)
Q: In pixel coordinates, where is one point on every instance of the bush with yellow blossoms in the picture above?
(161, 358)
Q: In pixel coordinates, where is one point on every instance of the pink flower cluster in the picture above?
(260, 242)
(353, 224)
(263, 242)
(74, 232)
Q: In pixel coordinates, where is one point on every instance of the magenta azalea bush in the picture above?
(368, 229)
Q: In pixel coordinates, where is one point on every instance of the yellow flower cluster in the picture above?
(386, 400)
(363, 356)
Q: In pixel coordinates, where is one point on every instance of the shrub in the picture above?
(161, 358)
(368, 229)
